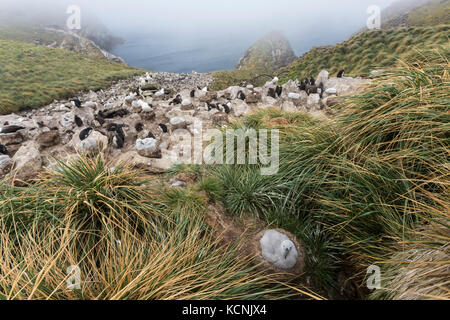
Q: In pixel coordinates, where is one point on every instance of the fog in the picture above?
(229, 26)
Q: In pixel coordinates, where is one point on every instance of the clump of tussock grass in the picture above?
(367, 177)
(129, 241)
(420, 266)
(88, 194)
(183, 264)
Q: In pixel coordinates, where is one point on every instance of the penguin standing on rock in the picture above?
(163, 128)
(139, 127)
(227, 108)
(119, 135)
(193, 93)
(85, 133)
(78, 121)
(138, 91)
(312, 81)
(241, 95)
(279, 90)
(76, 103)
(3, 150)
(271, 93)
(302, 86)
(176, 101)
(341, 74)
(119, 138)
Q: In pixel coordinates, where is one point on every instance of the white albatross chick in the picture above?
(279, 250)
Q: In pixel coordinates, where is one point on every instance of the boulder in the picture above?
(322, 77)
(208, 97)
(94, 144)
(313, 102)
(330, 101)
(186, 104)
(220, 119)
(253, 97)
(240, 108)
(294, 96)
(288, 106)
(6, 164)
(148, 148)
(48, 139)
(331, 91)
(27, 161)
(91, 104)
(346, 85)
(67, 120)
(11, 138)
(178, 123)
(289, 87)
(269, 101)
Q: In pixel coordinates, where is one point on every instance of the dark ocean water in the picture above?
(153, 52)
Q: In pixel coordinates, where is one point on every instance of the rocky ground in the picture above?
(139, 120)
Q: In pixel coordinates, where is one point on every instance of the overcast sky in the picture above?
(206, 16)
(304, 22)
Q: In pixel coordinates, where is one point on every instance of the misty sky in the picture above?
(322, 20)
(239, 23)
(201, 18)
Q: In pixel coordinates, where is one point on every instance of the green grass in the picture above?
(359, 55)
(356, 188)
(432, 13)
(367, 51)
(33, 76)
(227, 78)
(130, 241)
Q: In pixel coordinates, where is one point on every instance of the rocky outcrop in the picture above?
(269, 53)
(142, 121)
(75, 42)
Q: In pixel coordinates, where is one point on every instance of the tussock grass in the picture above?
(367, 51)
(128, 240)
(33, 76)
(355, 187)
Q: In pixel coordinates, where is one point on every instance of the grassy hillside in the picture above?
(418, 13)
(32, 76)
(367, 51)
